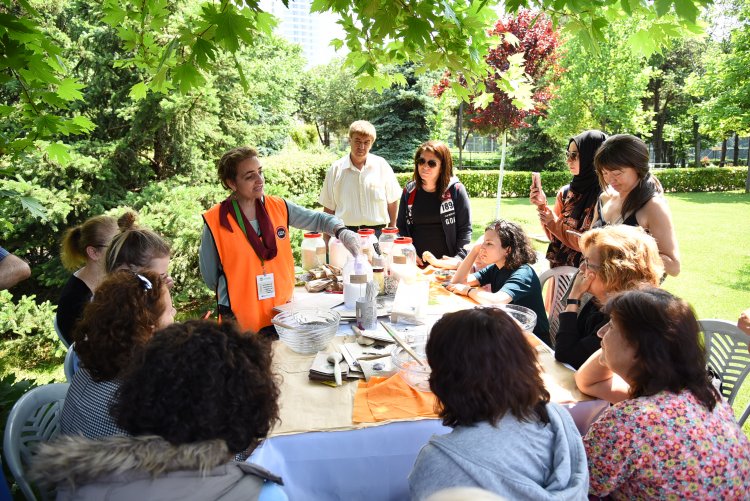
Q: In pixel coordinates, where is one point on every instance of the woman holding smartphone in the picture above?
(573, 211)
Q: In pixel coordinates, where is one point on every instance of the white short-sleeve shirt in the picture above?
(360, 197)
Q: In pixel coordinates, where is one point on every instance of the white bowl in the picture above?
(417, 376)
(309, 329)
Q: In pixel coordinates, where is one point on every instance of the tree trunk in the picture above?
(657, 139)
(500, 176)
(460, 135)
(736, 155)
(723, 159)
(697, 142)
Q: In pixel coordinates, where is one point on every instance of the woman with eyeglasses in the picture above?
(83, 250)
(669, 434)
(573, 211)
(434, 209)
(510, 275)
(615, 259)
(633, 196)
(123, 315)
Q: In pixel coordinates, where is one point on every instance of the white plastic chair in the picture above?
(34, 418)
(59, 334)
(726, 351)
(560, 279)
(70, 366)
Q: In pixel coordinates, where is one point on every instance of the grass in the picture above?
(713, 232)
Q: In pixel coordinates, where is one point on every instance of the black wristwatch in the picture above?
(576, 302)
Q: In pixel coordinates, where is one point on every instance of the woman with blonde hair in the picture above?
(615, 258)
(83, 251)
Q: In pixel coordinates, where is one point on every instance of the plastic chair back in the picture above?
(59, 334)
(726, 351)
(70, 367)
(559, 279)
(34, 418)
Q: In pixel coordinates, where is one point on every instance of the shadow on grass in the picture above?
(717, 197)
(742, 281)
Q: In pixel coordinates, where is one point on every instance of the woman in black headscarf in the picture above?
(573, 210)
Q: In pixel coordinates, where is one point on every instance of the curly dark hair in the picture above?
(120, 318)
(512, 235)
(198, 381)
(666, 336)
(482, 368)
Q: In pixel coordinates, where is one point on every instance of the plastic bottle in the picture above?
(403, 260)
(387, 237)
(357, 272)
(313, 251)
(368, 242)
(337, 253)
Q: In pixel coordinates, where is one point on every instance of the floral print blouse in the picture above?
(668, 446)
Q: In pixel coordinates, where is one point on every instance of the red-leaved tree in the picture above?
(534, 37)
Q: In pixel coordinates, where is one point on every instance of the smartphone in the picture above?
(536, 180)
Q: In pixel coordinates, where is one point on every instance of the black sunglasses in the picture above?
(571, 155)
(432, 162)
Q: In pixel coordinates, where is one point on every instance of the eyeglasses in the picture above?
(571, 156)
(432, 163)
(145, 282)
(592, 267)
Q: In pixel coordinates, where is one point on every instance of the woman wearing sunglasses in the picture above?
(633, 196)
(434, 209)
(573, 211)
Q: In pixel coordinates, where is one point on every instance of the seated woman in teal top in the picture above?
(510, 275)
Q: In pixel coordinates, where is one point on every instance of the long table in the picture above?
(323, 455)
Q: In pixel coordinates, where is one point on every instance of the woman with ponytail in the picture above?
(82, 252)
(633, 196)
(138, 249)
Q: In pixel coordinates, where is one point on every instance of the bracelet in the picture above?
(468, 292)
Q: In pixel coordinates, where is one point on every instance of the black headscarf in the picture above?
(586, 183)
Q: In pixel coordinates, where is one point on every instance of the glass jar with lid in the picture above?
(403, 259)
(337, 253)
(313, 251)
(387, 237)
(368, 242)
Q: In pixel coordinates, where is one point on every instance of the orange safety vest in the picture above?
(241, 265)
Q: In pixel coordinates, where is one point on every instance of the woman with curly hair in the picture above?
(138, 249)
(83, 250)
(507, 437)
(122, 317)
(633, 196)
(669, 434)
(510, 274)
(197, 394)
(615, 259)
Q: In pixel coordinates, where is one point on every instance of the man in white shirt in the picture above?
(361, 188)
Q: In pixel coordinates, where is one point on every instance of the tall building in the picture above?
(313, 31)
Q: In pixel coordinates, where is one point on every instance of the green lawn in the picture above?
(713, 231)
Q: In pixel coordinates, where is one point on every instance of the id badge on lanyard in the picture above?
(266, 287)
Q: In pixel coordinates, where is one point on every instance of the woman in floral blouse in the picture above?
(669, 434)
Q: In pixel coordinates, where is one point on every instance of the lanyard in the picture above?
(241, 222)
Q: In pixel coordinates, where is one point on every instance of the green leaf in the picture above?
(187, 76)
(138, 91)
(662, 7)
(70, 90)
(461, 91)
(35, 208)
(243, 79)
(483, 100)
(686, 9)
(58, 152)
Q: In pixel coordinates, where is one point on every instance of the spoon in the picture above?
(335, 358)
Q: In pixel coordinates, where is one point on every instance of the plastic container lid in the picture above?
(312, 234)
(366, 231)
(389, 230)
(402, 240)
